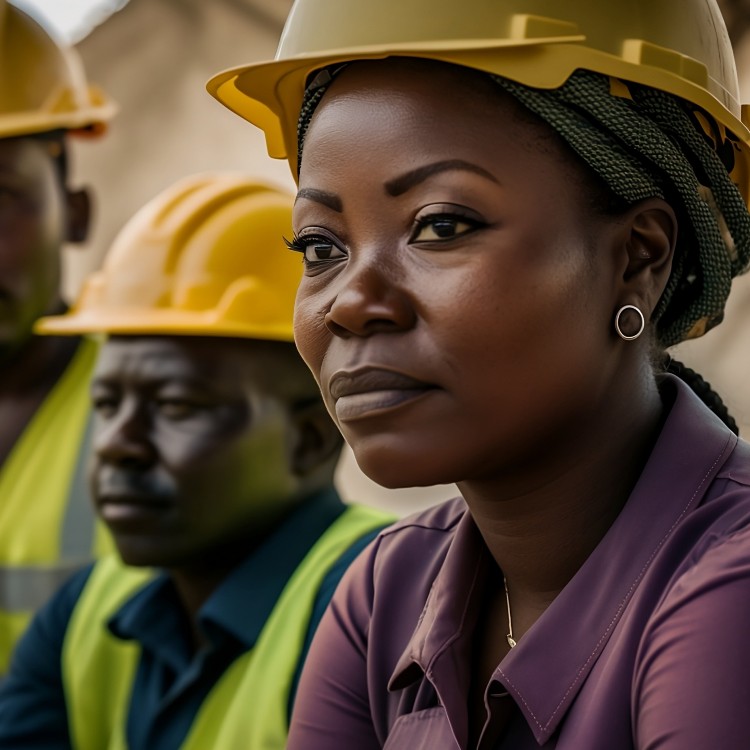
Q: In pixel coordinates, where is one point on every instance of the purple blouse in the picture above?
(647, 647)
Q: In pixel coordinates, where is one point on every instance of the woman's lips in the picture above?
(359, 393)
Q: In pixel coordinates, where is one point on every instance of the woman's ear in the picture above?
(651, 227)
(319, 441)
(78, 203)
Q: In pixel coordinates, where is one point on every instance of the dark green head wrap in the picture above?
(645, 143)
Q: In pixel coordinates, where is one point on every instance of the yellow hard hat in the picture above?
(42, 83)
(678, 46)
(205, 257)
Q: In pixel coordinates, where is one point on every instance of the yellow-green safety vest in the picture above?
(247, 708)
(47, 526)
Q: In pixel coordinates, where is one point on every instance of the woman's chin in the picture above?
(396, 471)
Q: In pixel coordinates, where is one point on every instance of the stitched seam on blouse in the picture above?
(454, 636)
(405, 525)
(622, 603)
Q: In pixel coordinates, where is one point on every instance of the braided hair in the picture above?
(644, 143)
(703, 390)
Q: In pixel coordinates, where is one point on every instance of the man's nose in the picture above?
(124, 437)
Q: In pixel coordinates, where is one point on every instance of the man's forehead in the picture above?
(180, 358)
(149, 356)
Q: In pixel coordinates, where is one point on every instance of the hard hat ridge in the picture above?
(539, 43)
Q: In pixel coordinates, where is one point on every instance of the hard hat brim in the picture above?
(157, 323)
(15, 125)
(269, 94)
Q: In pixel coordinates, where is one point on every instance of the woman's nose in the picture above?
(369, 300)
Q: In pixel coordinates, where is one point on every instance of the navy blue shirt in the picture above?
(171, 681)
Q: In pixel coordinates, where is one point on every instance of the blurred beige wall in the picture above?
(154, 58)
(723, 355)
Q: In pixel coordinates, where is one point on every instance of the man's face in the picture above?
(32, 230)
(193, 448)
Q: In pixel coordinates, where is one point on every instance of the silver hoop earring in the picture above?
(619, 330)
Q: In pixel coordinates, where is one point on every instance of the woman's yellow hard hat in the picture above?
(206, 258)
(678, 46)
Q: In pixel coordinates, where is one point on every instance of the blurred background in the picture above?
(154, 56)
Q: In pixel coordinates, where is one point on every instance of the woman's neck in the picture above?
(542, 524)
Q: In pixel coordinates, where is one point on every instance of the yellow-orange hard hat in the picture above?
(42, 83)
(206, 257)
(678, 46)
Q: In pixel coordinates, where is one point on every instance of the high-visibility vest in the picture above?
(47, 527)
(247, 707)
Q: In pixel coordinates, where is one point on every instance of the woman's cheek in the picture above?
(310, 332)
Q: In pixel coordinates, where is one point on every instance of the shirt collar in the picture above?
(243, 602)
(565, 642)
(440, 647)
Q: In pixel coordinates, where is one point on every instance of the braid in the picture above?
(308, 107)
(314, 92)
(704, 392)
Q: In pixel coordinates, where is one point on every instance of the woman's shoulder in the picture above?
(416, 545)
(400, 565)
(715, 541)
(736, 470)
(724, 509)
(440, 518)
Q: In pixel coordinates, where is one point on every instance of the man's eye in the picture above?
(7, 198)
(12, 202)
(315, 249)
(177, 408)
(436, 228)
(105, 407)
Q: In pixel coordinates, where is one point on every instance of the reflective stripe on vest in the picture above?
(247, 708)
(28, 587)
(77, 533)
(46, 520)
(23, 589)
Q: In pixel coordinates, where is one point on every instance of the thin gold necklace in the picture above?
(509, 636)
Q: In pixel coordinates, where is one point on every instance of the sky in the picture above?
(71, 19)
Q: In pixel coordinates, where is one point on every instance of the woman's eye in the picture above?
(436, 228)
(318, 251)
(315, 249)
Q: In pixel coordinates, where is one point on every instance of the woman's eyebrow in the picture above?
(405, 182)
(331, 200)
